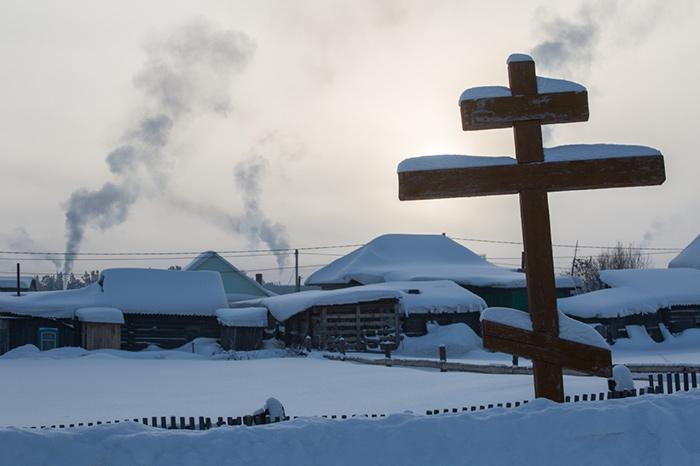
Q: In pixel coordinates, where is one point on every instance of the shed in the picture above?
(400, 257)
(646, 297)
(242, 329)
(100, 327)
(366, 315)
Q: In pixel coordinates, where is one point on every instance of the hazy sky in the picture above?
(177, 126)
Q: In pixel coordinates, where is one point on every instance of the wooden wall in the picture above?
(167, 332)
(361, 325)
(21, 330)
(680, 318)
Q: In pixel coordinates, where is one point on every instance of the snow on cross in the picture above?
(526, 108)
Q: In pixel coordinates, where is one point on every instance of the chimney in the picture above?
(258, 278)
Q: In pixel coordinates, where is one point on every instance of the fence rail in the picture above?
(452, 366)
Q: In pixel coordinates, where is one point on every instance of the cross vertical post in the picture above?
(537, 236)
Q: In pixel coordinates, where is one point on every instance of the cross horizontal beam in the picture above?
(545, 348)
(503, 112)
(569, 175)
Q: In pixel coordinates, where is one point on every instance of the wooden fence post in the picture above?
(443, 357)
(386, 346)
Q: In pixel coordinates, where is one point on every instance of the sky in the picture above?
(141, 133)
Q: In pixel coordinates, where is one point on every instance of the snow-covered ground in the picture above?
(72, 385)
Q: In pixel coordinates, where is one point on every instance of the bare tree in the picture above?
(615, 258)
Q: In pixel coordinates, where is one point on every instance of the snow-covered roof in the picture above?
(399, 257)
(25, 283)
(244, 317)
(132, 291)
(153, 291)
(637, 291)
(437, 297)
(689, 257)
(563, 153)
(102, 315)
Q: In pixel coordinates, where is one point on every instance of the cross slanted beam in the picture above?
(532, 176)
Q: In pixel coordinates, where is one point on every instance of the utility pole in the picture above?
(297, 287)
(573, 262)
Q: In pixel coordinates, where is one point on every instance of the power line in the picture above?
(253, 253)
(149, 255)
(519, 243)
(177, 253)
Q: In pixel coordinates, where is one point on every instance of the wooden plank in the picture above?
(503, 112)
(528, 142)
(618, 172)
(545, 348)
(549, 380)
(522, 78)
(539, 262)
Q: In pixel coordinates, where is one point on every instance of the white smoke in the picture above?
(188, 72)
(253, 223)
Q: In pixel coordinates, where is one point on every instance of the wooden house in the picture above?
(662, 301)
(397, 257)
(166, 308)
(365, 316)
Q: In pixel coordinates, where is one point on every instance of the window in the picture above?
(48, 338)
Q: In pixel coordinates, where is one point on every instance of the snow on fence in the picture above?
(658, 384)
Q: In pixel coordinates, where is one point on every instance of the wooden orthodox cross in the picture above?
(525, 109)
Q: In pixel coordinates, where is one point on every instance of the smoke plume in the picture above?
(570, 44)
(188, 72)
(253, 224)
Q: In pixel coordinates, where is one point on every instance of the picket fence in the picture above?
(658, 384)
